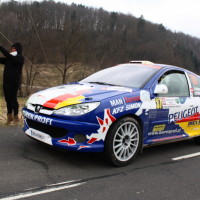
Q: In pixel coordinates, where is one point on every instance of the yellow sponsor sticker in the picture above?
(160, 127)
(159, 104)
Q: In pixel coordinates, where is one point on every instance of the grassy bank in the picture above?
(1, 94)
(1, 79)
(3, 110)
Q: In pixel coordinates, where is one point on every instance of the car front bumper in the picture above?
(66, 134)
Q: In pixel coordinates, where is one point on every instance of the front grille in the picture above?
(53, 131)
(46, 108)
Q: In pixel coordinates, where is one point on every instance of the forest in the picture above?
(69, 42)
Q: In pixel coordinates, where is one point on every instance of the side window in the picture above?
(195, 81)
(176, 83)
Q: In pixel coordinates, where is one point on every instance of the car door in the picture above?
(193, 125)
(170, 109)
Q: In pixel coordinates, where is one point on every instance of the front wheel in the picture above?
(123, 142)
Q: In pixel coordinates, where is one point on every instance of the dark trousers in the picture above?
(10, 94)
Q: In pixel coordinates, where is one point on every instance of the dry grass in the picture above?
(3, 110)
(48, 76)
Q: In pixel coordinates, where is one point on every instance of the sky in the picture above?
(175, 15)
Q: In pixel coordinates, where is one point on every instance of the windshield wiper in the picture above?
(98, 82)
(103, 83)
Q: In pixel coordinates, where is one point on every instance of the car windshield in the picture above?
(126, 75)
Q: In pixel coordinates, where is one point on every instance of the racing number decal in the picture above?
(158, 103)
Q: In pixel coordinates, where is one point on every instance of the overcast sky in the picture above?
(176, 15)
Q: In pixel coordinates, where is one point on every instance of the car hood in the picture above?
(64, 95)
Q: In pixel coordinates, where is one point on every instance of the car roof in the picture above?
(157, 65)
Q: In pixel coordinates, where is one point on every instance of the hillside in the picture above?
(56, 37)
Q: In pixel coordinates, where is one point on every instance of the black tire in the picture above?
(197, 140)
(123, 142)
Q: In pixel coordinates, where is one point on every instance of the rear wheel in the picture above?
(123, 142)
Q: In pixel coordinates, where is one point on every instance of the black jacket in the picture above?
(13, 67)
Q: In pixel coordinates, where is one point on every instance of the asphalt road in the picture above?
(29, 170)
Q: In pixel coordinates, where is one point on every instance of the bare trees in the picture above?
(93, 37)
(71, 37)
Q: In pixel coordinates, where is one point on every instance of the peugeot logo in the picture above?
(37, 108)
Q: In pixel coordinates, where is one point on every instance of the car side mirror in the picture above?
(161, 89)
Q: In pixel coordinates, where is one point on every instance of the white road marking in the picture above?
(62, 183)
(186, 156)
(48, 189)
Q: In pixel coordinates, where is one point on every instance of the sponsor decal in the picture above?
(126, 108)
(131, 99)
(116, 102)
(37, 118)
(118, 110)
(182, 99)
(171, 102)
(164, 103)
(104, 126)
(167, 132)
(37, 135)
(154, 114)
(69, 141)
(196, 91)
(43, 137)
(194, 123)
(177, 100)
(183, 114)
(133, 106)
(160, 127)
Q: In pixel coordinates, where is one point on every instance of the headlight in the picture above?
(29, 106)
(26, 104)
(77, 109)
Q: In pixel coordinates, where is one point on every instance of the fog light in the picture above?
(80, 138)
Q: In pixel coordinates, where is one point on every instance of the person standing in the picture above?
(13, 62)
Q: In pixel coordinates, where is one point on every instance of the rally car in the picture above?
(118, 110)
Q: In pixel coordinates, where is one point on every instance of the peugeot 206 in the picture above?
(118, 110)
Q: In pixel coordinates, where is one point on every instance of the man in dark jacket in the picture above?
(13, 62)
